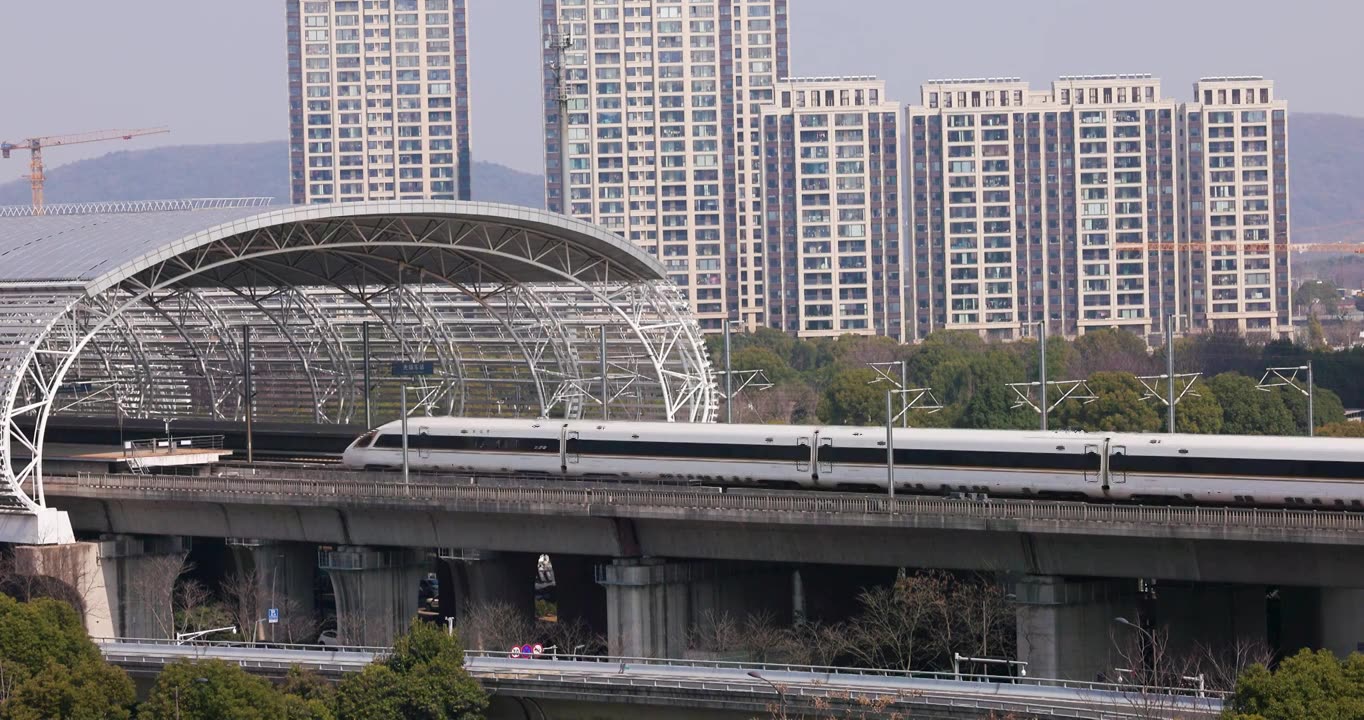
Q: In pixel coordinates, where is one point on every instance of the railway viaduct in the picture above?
(236, 311)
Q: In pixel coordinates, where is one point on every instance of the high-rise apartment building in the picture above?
(1084, 206)
(662, 142)
(378, 100)
(1235, 151)
(832, 209)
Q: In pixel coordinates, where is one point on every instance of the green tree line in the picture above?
(830, 380)
(50, 670)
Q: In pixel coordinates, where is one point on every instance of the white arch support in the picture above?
(505, 300)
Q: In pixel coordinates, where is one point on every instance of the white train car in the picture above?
(1238, 470)
(473, 445)
(937, 461)
(773, 455)
(1223, 470)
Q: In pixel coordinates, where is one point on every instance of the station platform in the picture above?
(135, 456)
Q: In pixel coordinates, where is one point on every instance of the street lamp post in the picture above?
(781, 696)
(1146, 636)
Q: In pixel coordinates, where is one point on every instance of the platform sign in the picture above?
(272, 615)
(413, 369)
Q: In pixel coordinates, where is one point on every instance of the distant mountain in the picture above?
(240, 170)
(1327, 177)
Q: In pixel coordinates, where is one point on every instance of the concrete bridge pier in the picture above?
(1342, 620)
(470, 578)
(576, 591)
(652, 603)
(1210, 615)
(123, 585)
(283, 575)
(1066, 626)
(376, 591)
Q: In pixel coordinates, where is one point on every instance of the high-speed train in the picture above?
(1220, 469)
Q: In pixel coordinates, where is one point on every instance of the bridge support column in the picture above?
(1342, 620)
(652, 604)
(579, 597)
(123, 585)
(1066, 627)
(376, 591)
(470, 578)
(1213, 615)
(277, 575)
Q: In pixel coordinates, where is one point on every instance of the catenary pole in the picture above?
(890, 445)
(364, 348)
(1042, 368)
(729, 381)
(402, 408)
(605, 394)
(248, 393)
(1311, 409)
(1170, 373)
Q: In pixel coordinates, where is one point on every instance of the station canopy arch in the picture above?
(147, 314)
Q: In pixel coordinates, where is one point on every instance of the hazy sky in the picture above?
(214, 70)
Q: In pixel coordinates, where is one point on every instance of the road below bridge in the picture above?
(620, 687)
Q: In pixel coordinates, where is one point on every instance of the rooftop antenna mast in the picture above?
(559, 38)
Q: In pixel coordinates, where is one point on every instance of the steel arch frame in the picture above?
(45, 327)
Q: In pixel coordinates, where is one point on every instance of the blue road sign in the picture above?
(272, 615)
(413, 369)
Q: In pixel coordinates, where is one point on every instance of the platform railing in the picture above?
(469, 490)
(168, 444)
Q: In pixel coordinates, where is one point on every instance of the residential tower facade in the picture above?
(831, 183)
(378, 100)
(1235, 151)
(658, 103)
(1086, 206)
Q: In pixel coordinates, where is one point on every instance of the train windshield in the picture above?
(365, 440)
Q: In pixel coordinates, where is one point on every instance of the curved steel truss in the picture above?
(506, 307)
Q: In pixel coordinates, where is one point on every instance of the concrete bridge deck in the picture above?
(1235, 545)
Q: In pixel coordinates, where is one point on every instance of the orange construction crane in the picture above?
(35, 147)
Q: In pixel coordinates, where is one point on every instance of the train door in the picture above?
(569, 454)
(1096, 457)
(424, 442)
(805, 456)
(825, 456)
(1117, 468)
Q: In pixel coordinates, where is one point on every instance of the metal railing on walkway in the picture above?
(603, 676)
(423, 491)
(853, 672)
